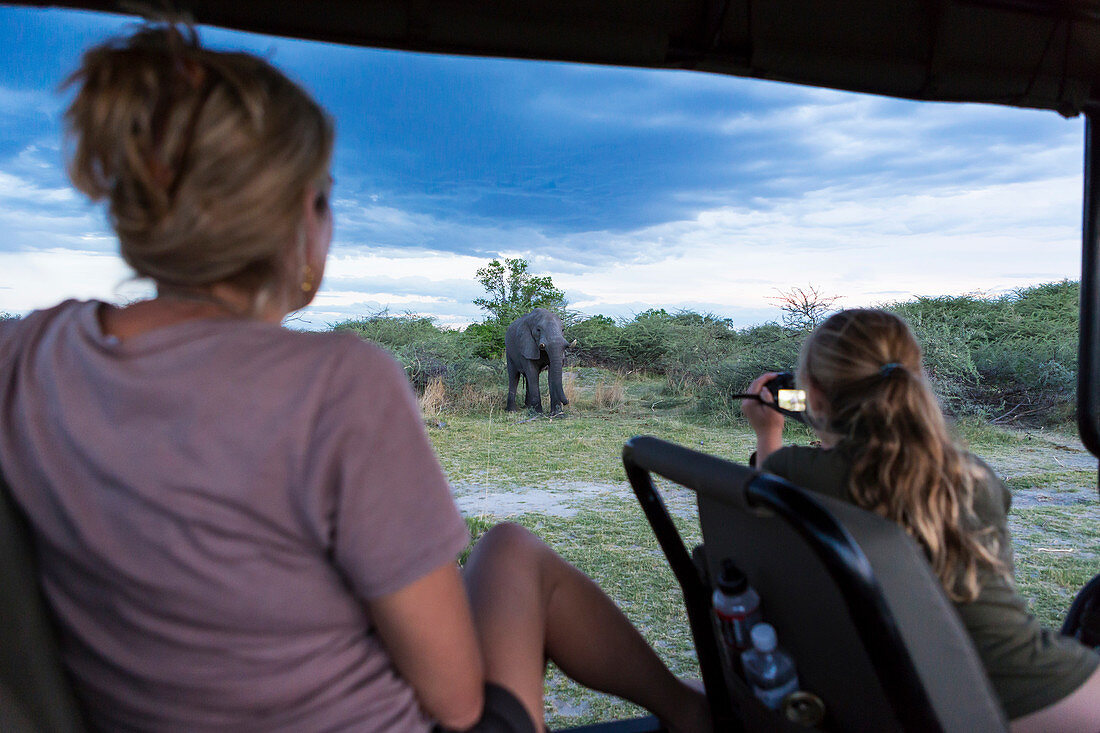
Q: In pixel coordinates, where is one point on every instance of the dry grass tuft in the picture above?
(569, 386)
(434, 397)
(609, 396)
(478, 399)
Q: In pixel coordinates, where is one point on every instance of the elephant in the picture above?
(532, 343)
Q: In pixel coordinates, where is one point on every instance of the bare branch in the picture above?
(804, 309)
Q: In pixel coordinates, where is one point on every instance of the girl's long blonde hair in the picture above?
(905, 467)
(204, 157)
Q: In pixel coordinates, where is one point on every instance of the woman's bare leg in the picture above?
(530, 605)
(1079, 711)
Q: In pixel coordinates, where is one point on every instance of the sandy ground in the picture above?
(558, 499)
(1041, 453)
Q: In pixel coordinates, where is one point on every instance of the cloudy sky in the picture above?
(632, 189)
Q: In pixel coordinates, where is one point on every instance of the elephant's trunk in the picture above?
(553, 377)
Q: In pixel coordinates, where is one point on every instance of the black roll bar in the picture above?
(1088, 344)
(837, 550)
(696, 592)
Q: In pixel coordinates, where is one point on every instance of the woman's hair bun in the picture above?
(203, 156)
(118, 120)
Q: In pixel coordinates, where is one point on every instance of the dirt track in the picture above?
(1059, 465)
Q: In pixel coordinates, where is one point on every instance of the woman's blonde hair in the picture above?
(205, 157)
(905, 467)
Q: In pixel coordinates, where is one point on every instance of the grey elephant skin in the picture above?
(532, 343)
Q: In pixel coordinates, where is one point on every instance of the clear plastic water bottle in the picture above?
(737, 608)
(769, 670)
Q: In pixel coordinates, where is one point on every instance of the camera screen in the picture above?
(792, 399)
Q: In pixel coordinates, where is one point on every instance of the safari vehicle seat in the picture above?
(35, 694)
(850, 594)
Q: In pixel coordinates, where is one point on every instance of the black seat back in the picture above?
(850, 594)
(35, 694)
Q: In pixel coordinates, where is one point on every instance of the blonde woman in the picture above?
(885, 447)
(242, 527)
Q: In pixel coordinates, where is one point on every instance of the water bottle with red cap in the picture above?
(736, 608)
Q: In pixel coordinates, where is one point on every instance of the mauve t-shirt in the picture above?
(212, 502)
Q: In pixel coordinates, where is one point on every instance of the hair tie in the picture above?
(888, 369)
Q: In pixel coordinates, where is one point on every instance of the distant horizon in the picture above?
(584, 315)
(632, 188)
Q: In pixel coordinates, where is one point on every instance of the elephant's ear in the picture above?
(528, 346)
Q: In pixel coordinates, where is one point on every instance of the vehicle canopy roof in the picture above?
(1025, 53)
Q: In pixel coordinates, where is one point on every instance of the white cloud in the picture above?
(30, 280)
(17, 188)
(955, 242)
(866, 246)
(729, 260)
(397, 263)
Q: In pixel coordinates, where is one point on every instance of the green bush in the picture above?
(1011, 358)
(647, 338)
(598, 342)
(1008, 358)
(760, 349)
(485, 340)
(428, 352)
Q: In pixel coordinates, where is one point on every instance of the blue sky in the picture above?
(632, 189)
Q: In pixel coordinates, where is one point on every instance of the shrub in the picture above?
(643, 341)
(1010, 358)
(485, 340)
(395, 331)
(598, 342)
(428, 352)
(1007, 358)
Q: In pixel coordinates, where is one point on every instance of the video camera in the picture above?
(786, 399)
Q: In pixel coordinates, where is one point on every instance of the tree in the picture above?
(513, 291)
(804, 310)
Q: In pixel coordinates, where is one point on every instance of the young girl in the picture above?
(885, 447)
(240, 527)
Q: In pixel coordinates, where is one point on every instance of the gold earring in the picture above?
(307, 279)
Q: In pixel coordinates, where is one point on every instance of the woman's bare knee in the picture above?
(508, 542)
(511, 556)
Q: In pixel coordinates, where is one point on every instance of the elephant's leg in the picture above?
(534, 396)
(554, 384)
(513, 383)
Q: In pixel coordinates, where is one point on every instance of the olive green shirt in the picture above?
(1029, 667)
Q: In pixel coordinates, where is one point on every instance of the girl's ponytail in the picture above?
(867, 365)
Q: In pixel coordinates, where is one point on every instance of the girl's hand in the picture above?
(765, 422)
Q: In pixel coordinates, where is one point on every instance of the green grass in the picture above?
(1057, 552)
(1057, 548)
(979, 434)
(524, 449)
(510, 449)
(1056, 480)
